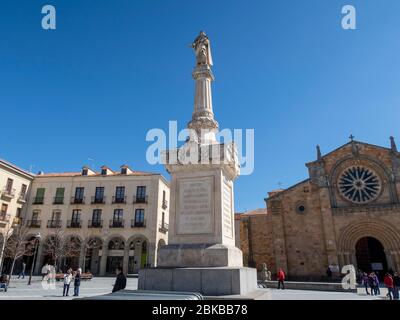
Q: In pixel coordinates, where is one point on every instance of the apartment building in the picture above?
(110, 218)
(14, 189)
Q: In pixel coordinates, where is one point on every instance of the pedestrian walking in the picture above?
(371, 282)
(22, 272)
(388, 280)
(120, 281)
(365, 282)
(67, 282)
(77, 282)
(396, 284)
(329, 273)
(375, 278)
(281, 278)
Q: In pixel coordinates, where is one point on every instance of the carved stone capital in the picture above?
(203, 72)
(203, 120)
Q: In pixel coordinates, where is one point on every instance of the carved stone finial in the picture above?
(393, 146)
(319, 156)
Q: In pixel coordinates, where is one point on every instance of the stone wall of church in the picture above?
(302, 233)
(311, 225)
(256, 235)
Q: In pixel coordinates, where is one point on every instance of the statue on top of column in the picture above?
(201, 46)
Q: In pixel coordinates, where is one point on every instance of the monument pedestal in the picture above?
(215, 281)
(199, 255)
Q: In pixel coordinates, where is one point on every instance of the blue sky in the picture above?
(112, 70)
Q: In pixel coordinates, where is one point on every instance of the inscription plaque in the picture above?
(196, 206)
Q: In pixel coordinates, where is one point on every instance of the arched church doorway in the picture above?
(371, 256)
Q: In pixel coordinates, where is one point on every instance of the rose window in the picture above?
(359, 184)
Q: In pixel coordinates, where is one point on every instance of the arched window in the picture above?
(94, 244)
(116, 244)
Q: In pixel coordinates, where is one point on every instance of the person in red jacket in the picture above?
(281, 279)
(388, 280)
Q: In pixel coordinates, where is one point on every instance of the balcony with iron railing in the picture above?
(95, 224)
(58, 200)
(38, 200)
(33, 223)
(8, 193)
(163, 227)
(54, 224)
(141, 199)
(98, 200)
(164, 204)
(75, 200)
(22, 197)
(116, 199)
(4, 217)
(74, 224)
(138, 223)
(116, 223)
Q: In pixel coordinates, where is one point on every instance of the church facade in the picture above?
(346, 212)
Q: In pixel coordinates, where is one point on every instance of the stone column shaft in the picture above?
(203, 98)
(103, 262)
(126, 260)
(151, 254)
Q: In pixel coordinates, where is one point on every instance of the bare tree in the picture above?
(17, 245)
(58, 245)
(54, 247)
(72, 247)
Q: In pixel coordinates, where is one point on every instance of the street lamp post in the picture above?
(37, 238)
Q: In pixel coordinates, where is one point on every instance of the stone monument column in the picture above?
(201, 255)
